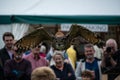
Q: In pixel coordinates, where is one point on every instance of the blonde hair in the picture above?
(43, 73)
(58, 53)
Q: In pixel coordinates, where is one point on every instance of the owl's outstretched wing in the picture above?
(78, 36)
(33, 39)
(77, 30)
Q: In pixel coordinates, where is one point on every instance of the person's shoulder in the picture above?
(82, 60)
(97, 59)
(9, 61)
(52, 66)
(42, 58)
(117, 52)
(27, 56)
(26, 61)
(2, 49)
(67, 64)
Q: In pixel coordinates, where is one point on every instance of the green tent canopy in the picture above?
(89, 19)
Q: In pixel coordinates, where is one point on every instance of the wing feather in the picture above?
(33, 39)
(77, 30)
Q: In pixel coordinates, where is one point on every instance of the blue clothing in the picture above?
(63, 74)
(1, 73)
(27, 52)
(93, 66)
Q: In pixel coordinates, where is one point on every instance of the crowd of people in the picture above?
(35, 64)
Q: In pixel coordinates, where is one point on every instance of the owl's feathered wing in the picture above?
(77, 30)
(33, 39)
(36, 37)
(79, 36)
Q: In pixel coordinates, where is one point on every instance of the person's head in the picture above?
(59, 59)
(36, 50)
(17, 54)
(43, 49)
(89, 51)
(87, 75)
(43, 73)
(8, 39)
(111, 43)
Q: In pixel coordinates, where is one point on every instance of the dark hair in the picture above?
(7, 34)
(87, 74)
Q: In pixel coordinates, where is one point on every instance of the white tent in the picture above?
(57, 11)
(60, 11)
(59, 7)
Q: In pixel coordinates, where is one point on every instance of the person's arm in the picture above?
(71, 73)
(113, 62)
(48, 56)
(78, 70)
(103, 62)
(8, 72)
(65, 55)
(1, 73)
(28, 70)
(66, 59)
(108, 57)
(107, 62)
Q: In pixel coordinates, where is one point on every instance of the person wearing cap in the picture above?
(43, 51)
(35, 58)
(17, 68)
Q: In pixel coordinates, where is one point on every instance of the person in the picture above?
(35, 59)
(43, 73)
(111, 59)
(62, 70)
(1, 71)
(72, 56)
(87, 75)
(59, 46)
(98, 52)
(6, 52)
(17, 68)
(51, 53)
(43, 51)
(89, 63)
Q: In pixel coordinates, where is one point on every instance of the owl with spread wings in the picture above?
(59, 42)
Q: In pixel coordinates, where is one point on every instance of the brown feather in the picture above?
(33, 39)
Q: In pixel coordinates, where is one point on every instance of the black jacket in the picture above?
(4, 55)
(1, 73)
